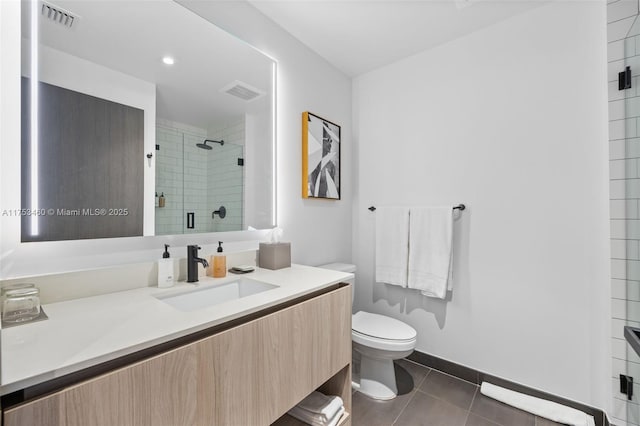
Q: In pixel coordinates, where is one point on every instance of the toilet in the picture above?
(379, 340)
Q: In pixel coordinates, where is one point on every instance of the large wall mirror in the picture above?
(141, 118)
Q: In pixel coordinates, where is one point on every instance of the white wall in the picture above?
(318, 229)
(259, 208)
(511, 121)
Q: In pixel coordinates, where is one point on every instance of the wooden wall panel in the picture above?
(90, 156)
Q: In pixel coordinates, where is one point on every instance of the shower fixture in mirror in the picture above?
(141, 118)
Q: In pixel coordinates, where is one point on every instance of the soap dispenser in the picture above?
(219, 263)
(166, 273)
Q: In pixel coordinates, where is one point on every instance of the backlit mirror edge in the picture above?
(17, 259)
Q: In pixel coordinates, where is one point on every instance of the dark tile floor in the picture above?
(428, 397)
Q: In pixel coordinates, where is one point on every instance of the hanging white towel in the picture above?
(392, 245)
(431, 250)
(540, 407)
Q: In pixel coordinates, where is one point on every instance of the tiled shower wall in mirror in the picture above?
(623, 33)
(199, 181)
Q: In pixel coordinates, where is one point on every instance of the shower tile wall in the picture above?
(623, 33)
(210, 178)
(181, 167)
(195, 184)
(169, 180)
(226, 177)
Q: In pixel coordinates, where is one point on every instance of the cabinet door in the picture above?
(158, 391)
(263, 368)
(45, 411)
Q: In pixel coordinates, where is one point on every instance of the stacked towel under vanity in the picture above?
(318, 409)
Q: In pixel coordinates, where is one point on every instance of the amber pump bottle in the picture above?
(219, 263)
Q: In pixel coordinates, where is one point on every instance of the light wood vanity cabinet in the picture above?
(247, 375)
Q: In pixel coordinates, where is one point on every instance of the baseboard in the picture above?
(477, 377)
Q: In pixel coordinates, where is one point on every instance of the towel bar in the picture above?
(458, 207)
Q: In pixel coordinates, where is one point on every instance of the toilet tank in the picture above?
(343, 267)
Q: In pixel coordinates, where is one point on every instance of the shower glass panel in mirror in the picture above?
(141, 118)
(625, 106)
(196, 176)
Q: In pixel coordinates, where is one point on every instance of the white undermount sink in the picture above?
(204, 297)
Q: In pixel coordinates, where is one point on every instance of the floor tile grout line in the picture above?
(474, 398)
(416, 387)
(444, 400)
(455, 377)
(466, 419)
(405, 407)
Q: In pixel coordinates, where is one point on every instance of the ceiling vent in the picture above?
(243, 91)
(58, 15)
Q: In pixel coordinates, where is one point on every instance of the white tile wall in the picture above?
(621, 10)
(624, 153)
(619, 29)
(226, 178)
(171, 160)
(197, 180)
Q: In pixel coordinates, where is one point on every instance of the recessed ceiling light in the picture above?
(168, 60)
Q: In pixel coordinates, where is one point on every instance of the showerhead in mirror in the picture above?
(207, 147)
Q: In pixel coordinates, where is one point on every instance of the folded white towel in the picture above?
(540, 407)
(312, 419)
(392, 245)
(336, 418)
(431, 250)
(319, 403)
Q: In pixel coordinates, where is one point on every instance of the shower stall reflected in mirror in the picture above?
(197, 172)
(624, 97)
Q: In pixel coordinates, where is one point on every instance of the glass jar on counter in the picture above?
(21, 304)
(9, 287)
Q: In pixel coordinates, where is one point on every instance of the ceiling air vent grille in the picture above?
(243, 91)
(58, 15)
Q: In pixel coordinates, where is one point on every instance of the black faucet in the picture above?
(192, 263)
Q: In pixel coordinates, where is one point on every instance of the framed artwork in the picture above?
(320, 158)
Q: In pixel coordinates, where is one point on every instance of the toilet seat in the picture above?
(382, 332)
(383, 344)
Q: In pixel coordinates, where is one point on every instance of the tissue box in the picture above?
(274, 255)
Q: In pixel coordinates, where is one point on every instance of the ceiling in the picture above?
(133, 36)
(358, 36)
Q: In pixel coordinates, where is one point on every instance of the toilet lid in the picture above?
(381, 326)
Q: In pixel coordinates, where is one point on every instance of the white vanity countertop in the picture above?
(85, 332)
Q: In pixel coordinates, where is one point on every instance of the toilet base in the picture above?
(377, 378)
